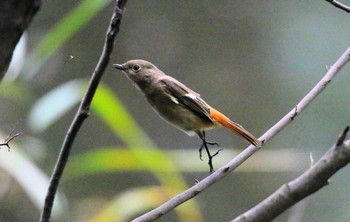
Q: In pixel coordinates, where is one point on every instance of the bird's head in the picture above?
(143, 73)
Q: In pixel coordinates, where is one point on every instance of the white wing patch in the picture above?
(174, 100)
(192, 96)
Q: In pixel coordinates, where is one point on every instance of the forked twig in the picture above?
(8, 139)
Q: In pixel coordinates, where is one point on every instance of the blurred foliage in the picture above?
(61, 32)
(263, 57)
(125, 206)
(54, 105)
(29, 176)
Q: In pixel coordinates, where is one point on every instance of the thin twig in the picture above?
(83, 110)
(8, 140)
(249, 151)
(339, 5)
(342, 136)
(306, 184)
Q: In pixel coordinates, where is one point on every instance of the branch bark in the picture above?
(339, 5)
(83, 110)
(15, 16)
(306, 184)
(249, 151)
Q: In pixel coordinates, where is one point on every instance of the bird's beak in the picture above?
(119, 66)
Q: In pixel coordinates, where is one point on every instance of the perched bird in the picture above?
(179, 105)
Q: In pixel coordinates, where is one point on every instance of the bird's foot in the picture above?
(210, 156)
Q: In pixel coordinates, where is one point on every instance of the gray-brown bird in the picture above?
(179, 105)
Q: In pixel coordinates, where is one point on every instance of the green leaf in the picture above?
(68, 27)
(65, 29)
(14, 91)
(109, 159)
(101, 160)
(110, 109)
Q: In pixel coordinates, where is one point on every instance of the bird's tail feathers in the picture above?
(224, 121)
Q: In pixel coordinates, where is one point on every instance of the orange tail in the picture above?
(224, 121)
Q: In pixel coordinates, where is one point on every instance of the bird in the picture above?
(179, 105)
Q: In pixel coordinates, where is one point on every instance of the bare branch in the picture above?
(342, 136)
(83, 110)
(306, 184)
(249, 151)
(339, 5)
(8, 140)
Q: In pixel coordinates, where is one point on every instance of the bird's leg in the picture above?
(205, 145)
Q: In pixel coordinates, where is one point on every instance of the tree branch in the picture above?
(15, 16)
(306, 184)
(339, 5)
(83, 110)
(249, 151)
(8, 140)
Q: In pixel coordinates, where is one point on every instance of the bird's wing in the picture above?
(181, 94)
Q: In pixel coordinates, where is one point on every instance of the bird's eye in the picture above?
(135, 68)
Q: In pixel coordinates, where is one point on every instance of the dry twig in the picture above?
(8, 140)
(83, 110)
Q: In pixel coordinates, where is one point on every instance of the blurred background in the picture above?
(252, 60)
